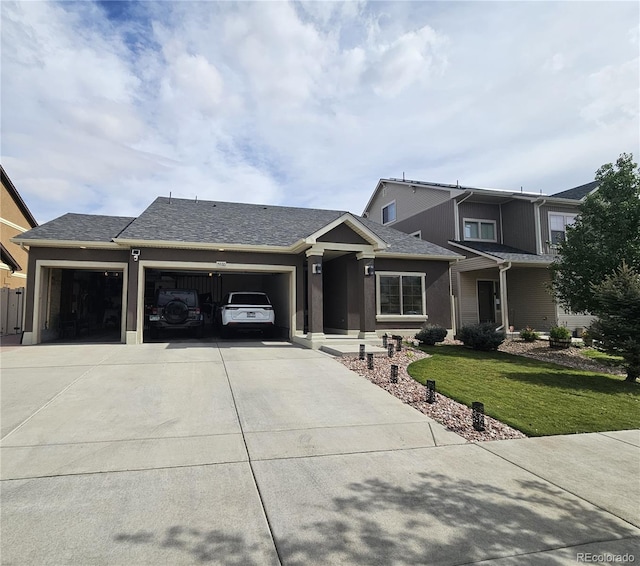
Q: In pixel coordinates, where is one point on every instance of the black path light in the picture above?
(477, 414)
(385, 338)
(362, 351)
(390, 349)
(370, 361)
(394, 373)
(398, 343)
(431, 391)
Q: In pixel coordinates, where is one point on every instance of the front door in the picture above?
(487, 303)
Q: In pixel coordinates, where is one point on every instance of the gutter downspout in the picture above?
(538, 205)
(456, 215)
(503, 296)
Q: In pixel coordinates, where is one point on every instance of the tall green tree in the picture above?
(618, 324)
(606, 234)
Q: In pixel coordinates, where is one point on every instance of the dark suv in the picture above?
(176, 309)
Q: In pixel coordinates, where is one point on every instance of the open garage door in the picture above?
(81, 305)
(211, 286)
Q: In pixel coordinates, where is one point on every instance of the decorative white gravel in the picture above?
(454, 416)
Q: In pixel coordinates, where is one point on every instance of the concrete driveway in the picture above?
(266, 453)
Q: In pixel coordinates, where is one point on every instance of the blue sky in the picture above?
(107, 105)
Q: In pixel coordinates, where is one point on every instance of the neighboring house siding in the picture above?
(518, 225)
(468, 300)
(530, 304)
(479, 211)
(473, 263)
(13, 223)
(437, 224)
(544, 217)
(573, 321)
(407, 201)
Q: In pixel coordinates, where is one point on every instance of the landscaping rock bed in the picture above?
(455, 416)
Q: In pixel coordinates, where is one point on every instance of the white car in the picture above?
(244, 310)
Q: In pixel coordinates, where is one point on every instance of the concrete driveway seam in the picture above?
(50, 401)
(250, 462)
(561, 487)
(111, 441)
(612, 437)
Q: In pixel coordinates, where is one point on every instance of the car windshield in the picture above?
(249, 299)
(187, 297)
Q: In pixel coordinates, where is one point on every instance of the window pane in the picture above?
(570, 219)
(471, 230)
(389, 213)
(412, 294)
(390, 294)
(488, 231)
(557, 236)
(556, 222)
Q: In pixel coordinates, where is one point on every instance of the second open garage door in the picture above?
(211, 287)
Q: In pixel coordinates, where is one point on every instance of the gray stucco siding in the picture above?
(437, 289)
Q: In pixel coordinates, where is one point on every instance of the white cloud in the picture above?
(309, 103)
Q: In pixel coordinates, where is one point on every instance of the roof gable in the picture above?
(578, 193)
(15, 195)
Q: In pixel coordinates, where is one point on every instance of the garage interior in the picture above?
(82, 305)
(212, 286)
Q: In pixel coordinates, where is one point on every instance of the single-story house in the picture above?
(327, 272)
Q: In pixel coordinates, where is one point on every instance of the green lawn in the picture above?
(602, 357)
(535, 397)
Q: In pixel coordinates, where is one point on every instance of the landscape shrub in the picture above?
(482, 336)
(529, 334)
(429, 334)
(559, 333)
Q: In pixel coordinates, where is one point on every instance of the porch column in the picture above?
(315, 300)
(366, 295)
(504, 298)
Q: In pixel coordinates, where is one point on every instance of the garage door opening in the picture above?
(211, 287)
(82, 305)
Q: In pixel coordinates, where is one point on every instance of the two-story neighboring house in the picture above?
(15, 219)
(509, 239)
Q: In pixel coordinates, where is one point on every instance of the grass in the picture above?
(602, 357)
(535, 397)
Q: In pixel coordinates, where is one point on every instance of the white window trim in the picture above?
(401, 317)
(417, 234)
(565, 215)
(393, 202)
(480, 220)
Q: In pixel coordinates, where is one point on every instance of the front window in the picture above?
(480, 230)
(389, 213)
(401, 294)
(558, 227)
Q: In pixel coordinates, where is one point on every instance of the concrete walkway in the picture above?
(266, 453)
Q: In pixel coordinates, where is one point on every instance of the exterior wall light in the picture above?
(316, 268)
(369, 270)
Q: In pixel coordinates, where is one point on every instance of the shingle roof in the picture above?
(577, 193)
(401, 243)
(182, 220)
(506, 253)
(79, 228)
(207, 222)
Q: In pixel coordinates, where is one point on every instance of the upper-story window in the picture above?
(558, 226)
(389, 213)
(480, 230)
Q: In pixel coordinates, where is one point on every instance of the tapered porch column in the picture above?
(366, 295)
(315, 302)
